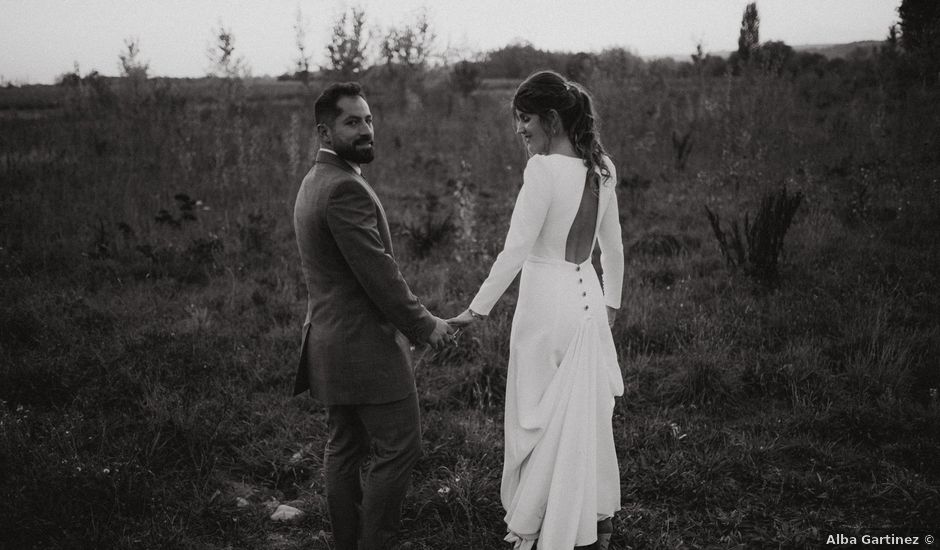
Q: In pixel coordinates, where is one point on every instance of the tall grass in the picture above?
(146, 358)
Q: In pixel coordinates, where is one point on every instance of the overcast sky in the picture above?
(40, 39)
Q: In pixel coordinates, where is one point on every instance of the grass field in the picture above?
(152, 302)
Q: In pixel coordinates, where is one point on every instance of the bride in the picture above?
(561, 482)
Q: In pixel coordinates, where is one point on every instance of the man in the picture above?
(356, 358)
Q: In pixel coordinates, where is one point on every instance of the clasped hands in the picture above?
(445, 332)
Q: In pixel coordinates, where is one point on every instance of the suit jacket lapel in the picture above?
(325, 157)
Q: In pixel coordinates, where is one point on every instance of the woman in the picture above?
(561, 482)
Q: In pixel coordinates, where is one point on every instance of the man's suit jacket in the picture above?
(359, 305)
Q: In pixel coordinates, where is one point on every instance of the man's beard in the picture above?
(353, 153)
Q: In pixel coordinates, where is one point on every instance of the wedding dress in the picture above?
(560, 475)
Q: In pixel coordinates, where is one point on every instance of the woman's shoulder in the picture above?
(537, 168)
(536, 161)
(551, 163)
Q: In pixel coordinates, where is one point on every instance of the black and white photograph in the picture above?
(452, 275)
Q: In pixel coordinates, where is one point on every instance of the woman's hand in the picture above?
(611, 316)
(463, 320)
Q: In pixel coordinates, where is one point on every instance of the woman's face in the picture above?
(530, 127)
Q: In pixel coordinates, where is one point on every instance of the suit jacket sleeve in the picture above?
(351, 216)
(528, 217)
(611, 244)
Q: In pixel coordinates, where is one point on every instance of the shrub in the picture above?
(681, 148)
(429, 228)
(759, 247)
(256, 236)
(192, 264)
(465, 77)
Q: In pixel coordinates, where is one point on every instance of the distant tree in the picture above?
(302, 62)
(892, 41)
(663, 67)
(920, 36)
(707, 64)
(511, 61)
(347, 47)
(580, 67)
(90, 91)
(715, 65)
(807, 63)
(453, 53)
(618, 63)
(775, 57)
(465, 77)
(69, 80)
(221, 54)
(72, 79)
(699, 55)
(891, 66)
(749, 37)
(410, 45)
(519, 59)
(131, 66)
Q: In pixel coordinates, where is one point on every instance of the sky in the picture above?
(41, 39)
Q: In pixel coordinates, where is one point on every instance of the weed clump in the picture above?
(700, 383)
(429, 227)
(757, 249)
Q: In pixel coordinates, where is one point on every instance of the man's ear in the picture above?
(323, 132)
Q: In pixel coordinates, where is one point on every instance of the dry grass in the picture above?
(145, 365)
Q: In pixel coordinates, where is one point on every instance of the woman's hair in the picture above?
(547, 91)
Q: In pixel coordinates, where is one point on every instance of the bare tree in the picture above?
(221, 54)
(409, 45)
(347, 46)
(302, 62)
(131, 64)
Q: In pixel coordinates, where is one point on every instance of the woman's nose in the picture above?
(519, 127)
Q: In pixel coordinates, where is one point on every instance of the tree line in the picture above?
(910, 52)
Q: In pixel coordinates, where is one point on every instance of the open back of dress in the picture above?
(580, 240)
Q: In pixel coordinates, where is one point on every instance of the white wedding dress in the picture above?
(560, 475)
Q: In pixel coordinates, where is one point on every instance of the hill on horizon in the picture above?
(831, 51)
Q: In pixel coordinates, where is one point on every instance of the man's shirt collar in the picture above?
(355, 165)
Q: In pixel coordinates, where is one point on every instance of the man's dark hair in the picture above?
(325, 110)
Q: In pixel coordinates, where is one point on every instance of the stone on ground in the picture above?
(286, 513)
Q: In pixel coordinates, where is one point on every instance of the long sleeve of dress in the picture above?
(611, 243)
(528, 216)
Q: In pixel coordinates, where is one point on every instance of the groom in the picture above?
(356, 357)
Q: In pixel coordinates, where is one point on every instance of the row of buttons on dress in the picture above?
(584, 293)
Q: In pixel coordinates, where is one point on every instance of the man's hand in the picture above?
(441, 335)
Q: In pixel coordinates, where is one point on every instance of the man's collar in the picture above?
(354, 165)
